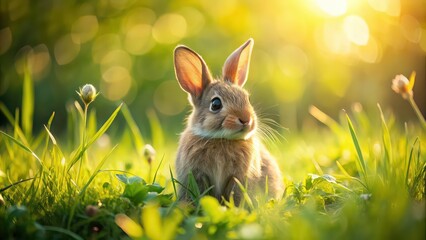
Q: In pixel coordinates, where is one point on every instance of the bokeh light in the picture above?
(411, 28)
(391, 7)
(169, 28)
(293, 61)
(356, 30)
(84, 29)
(139, 39)
(5, 39)
(105, 44)
(169, 99)
(116, 83)
(116, 58)
(66, 50)
(332, 37)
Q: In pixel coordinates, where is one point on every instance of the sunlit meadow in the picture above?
(340, 83)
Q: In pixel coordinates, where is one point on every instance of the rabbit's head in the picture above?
(221, 107)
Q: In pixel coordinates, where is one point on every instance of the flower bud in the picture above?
(91, 210)
(149, 153)
(87, 93)
(401, 85)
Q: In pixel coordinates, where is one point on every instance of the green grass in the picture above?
(360, 177)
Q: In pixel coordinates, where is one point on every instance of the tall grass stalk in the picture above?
(417, 111)
(83, 140)
(27, 103)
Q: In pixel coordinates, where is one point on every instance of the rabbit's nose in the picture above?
(245, 121)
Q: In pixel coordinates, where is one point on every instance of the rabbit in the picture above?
(220, 143)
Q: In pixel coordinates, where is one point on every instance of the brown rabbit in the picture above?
(220, 143)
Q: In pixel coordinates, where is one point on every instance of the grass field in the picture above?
(361, 176)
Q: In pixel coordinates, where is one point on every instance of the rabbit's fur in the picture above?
(220, 143)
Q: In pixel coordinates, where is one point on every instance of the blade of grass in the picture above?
(63, 231)
(326, 120)
(410, 157)
(361, 162)
(156, 129)
(21, 145)
(12, 121)
(158, 168)
(46, 143)
(386, 143)
(193, 186)
(245, 194)
(173, 181)
(134, 130)
(100, 132)
(97, 169)
(27, 103)
(72, 133)
(16, 183)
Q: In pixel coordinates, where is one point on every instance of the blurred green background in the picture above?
(327, 53)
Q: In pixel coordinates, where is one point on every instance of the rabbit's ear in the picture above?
(236, 66)
(191, 71)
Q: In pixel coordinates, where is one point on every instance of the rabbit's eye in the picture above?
(215, 105)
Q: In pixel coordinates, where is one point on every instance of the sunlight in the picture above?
(391, 7)
(356, 30)
(333, 7)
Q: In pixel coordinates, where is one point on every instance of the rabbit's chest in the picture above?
(222, 164)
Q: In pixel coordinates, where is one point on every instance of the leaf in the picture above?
(122, 178)
(329, 178)
(136, 179)
(136, 192)
(212, 208)
(155, 187)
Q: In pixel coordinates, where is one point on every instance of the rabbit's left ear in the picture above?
(236, 66)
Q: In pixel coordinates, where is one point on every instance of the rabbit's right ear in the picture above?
(191, 71)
